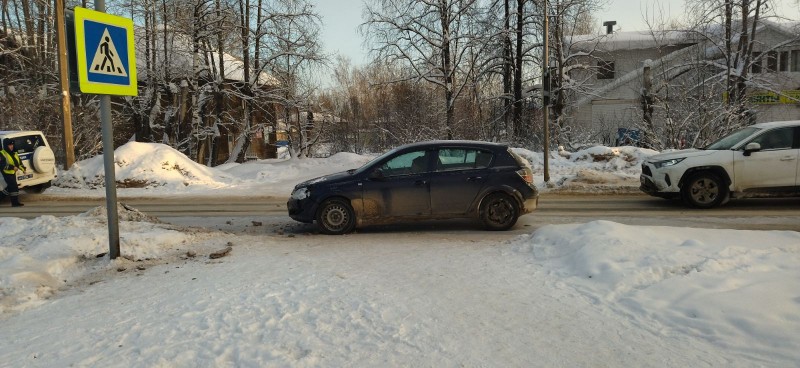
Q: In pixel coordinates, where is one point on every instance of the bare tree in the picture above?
(429, 38)
(571, 62)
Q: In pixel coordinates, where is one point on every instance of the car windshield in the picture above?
(732, 139)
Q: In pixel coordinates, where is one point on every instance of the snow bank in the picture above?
(737, 289)
(145, 165)
(599, 168)
(142, 169)
(42, 255)
(147, 169)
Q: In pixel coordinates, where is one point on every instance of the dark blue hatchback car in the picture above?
(427, 180)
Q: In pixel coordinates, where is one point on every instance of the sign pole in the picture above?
(108, 165)
(106, 65)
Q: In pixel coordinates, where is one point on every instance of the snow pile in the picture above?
(141, 168)
(144, 165)
(598, 168)
(736, 289)
(42, 255)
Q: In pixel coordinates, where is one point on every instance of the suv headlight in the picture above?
(301, 193)
(665, 163)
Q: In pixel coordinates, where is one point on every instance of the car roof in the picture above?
(777, 124)
(19, 132)
(454, 143)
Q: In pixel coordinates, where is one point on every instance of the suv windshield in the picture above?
(730, 140)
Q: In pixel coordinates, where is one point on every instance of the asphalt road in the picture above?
(633, 209)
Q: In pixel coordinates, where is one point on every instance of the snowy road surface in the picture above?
(366, 300)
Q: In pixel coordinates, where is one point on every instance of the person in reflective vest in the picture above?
(10, 164)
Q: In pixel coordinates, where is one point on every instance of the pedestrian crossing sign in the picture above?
(105, 51)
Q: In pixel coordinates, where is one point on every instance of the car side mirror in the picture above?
(376, 174)
(751, 147)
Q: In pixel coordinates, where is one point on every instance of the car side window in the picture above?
(405, 164)
(460, 159)
(776, 139)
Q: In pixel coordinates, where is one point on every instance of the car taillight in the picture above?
(527, 174)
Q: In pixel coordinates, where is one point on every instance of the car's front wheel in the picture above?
(499, 211)
(704, 190)
(335, 217)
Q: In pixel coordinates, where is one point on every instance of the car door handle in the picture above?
(420, 182)
(788, 158)
(474, 178)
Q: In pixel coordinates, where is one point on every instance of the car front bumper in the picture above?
(660, 182)
(302, 210)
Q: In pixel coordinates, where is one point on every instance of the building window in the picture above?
(795, 61)
(755, 67)
(605, 69)
(783, 63)
(772, 61)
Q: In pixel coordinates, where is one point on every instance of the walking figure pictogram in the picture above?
(106, 58)
(104, 49)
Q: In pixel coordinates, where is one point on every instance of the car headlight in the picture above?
(301, 193)
(665, 163)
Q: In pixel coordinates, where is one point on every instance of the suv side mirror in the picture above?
(751, 147)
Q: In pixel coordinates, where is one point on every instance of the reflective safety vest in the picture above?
(11, 162)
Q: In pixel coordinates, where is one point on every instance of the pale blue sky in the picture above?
(341, 18)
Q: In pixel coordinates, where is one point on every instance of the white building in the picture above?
(676, 68)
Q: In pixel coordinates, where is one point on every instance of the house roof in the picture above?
(635, 40)
(790, 29)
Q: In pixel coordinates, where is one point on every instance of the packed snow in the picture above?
(586, 294)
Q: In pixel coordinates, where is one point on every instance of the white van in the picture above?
(36, 155)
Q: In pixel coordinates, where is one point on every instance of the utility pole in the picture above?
(69, 145)
(546, 94)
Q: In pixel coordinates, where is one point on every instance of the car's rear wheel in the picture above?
(40, 188)
(499, 211)
(335, 216)
(704, 190)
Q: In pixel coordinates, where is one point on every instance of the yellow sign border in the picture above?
(87, 86)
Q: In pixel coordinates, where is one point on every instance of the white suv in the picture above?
(36, 155)
(760, 159)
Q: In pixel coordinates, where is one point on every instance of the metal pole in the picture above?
(69, 148)
(545, 108)
(108, 165)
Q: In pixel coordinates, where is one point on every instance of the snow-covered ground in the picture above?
(585, 295)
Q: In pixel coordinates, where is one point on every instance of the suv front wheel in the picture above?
(704, 190)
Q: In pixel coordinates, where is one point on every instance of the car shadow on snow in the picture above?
(423, 226)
